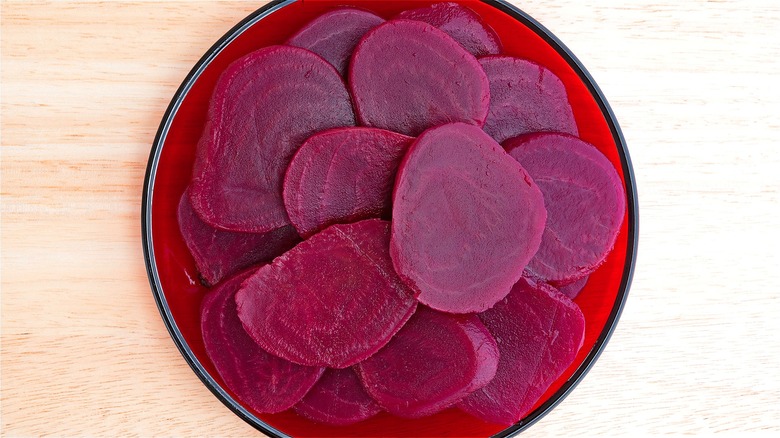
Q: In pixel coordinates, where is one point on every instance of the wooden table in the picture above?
(694, 84)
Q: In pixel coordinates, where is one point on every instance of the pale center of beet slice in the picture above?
(525, 97)
(264, 106)
(261, 381)
(539, 332)
(333, 300)
(461, 23)
(334, 35)
(585, 203)
(466, 219)
(407, 76)
(219, 253)
(432, 363)
(343, 175)
(339, 399)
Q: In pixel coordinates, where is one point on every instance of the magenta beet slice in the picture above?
(435, 361)
(461, 23)
(466, 219)
(525, 97)
(343, 175)
(339, 399)
(261, 381)
(573, 289)
(334, 35)
(585, 204)
(264, 106)
(219, 253)
(538, 331)
(407, 76)
(333, 300)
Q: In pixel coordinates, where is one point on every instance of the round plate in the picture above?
(174, 278)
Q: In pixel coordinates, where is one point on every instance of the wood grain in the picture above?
(693, 83)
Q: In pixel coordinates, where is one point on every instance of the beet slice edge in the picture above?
(260, 380)
(338, 399)
(219, 253)
(333, 300)
(525, 97)
(264, 106)
(433, 362)
(539, 332)
(407, 76)
(461, 23)
(572, 290)
(343, 175)
(334, 34)
(585, 201)
(466, 219)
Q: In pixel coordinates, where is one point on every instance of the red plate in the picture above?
(174, 278)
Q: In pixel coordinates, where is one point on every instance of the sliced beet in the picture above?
(435, 361)
(539, 332)
(407, 76)
(466, 219)
(573, 289)
(585, 204)
(333, 300)
(339, 399)
(219, 253)
(261, 381)
(334, 35)
(525, 97)
(461, 23)
(343, 175)
(263, 107)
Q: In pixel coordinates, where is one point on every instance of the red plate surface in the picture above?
(172, 271)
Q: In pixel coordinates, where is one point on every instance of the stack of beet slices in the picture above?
(395, 217)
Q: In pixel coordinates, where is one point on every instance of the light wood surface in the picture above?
(696, 88)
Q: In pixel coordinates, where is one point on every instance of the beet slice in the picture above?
(461, 23)
(219, 254)
(407, 76)
(466, 219)
(333, 300)
(261, 381)
(339, 399)
(585, 204)
(343, 175)
(525, 97)
(264, 106)
(334, 35)
(435, 361)
(539, 332)
(573, 290)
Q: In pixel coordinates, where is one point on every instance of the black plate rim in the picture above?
(254, 18)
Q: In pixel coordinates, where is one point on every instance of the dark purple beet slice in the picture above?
(333, 300)
(339, 399)
(466, 219)
(264, 106)
(574, 289)
(261, 381)
(334, 35)
(343, 175)
(538, 331)
(407, 76)
(219, 254)
(525, 97)
(585, 204)
(435, 361)
(461, 23)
